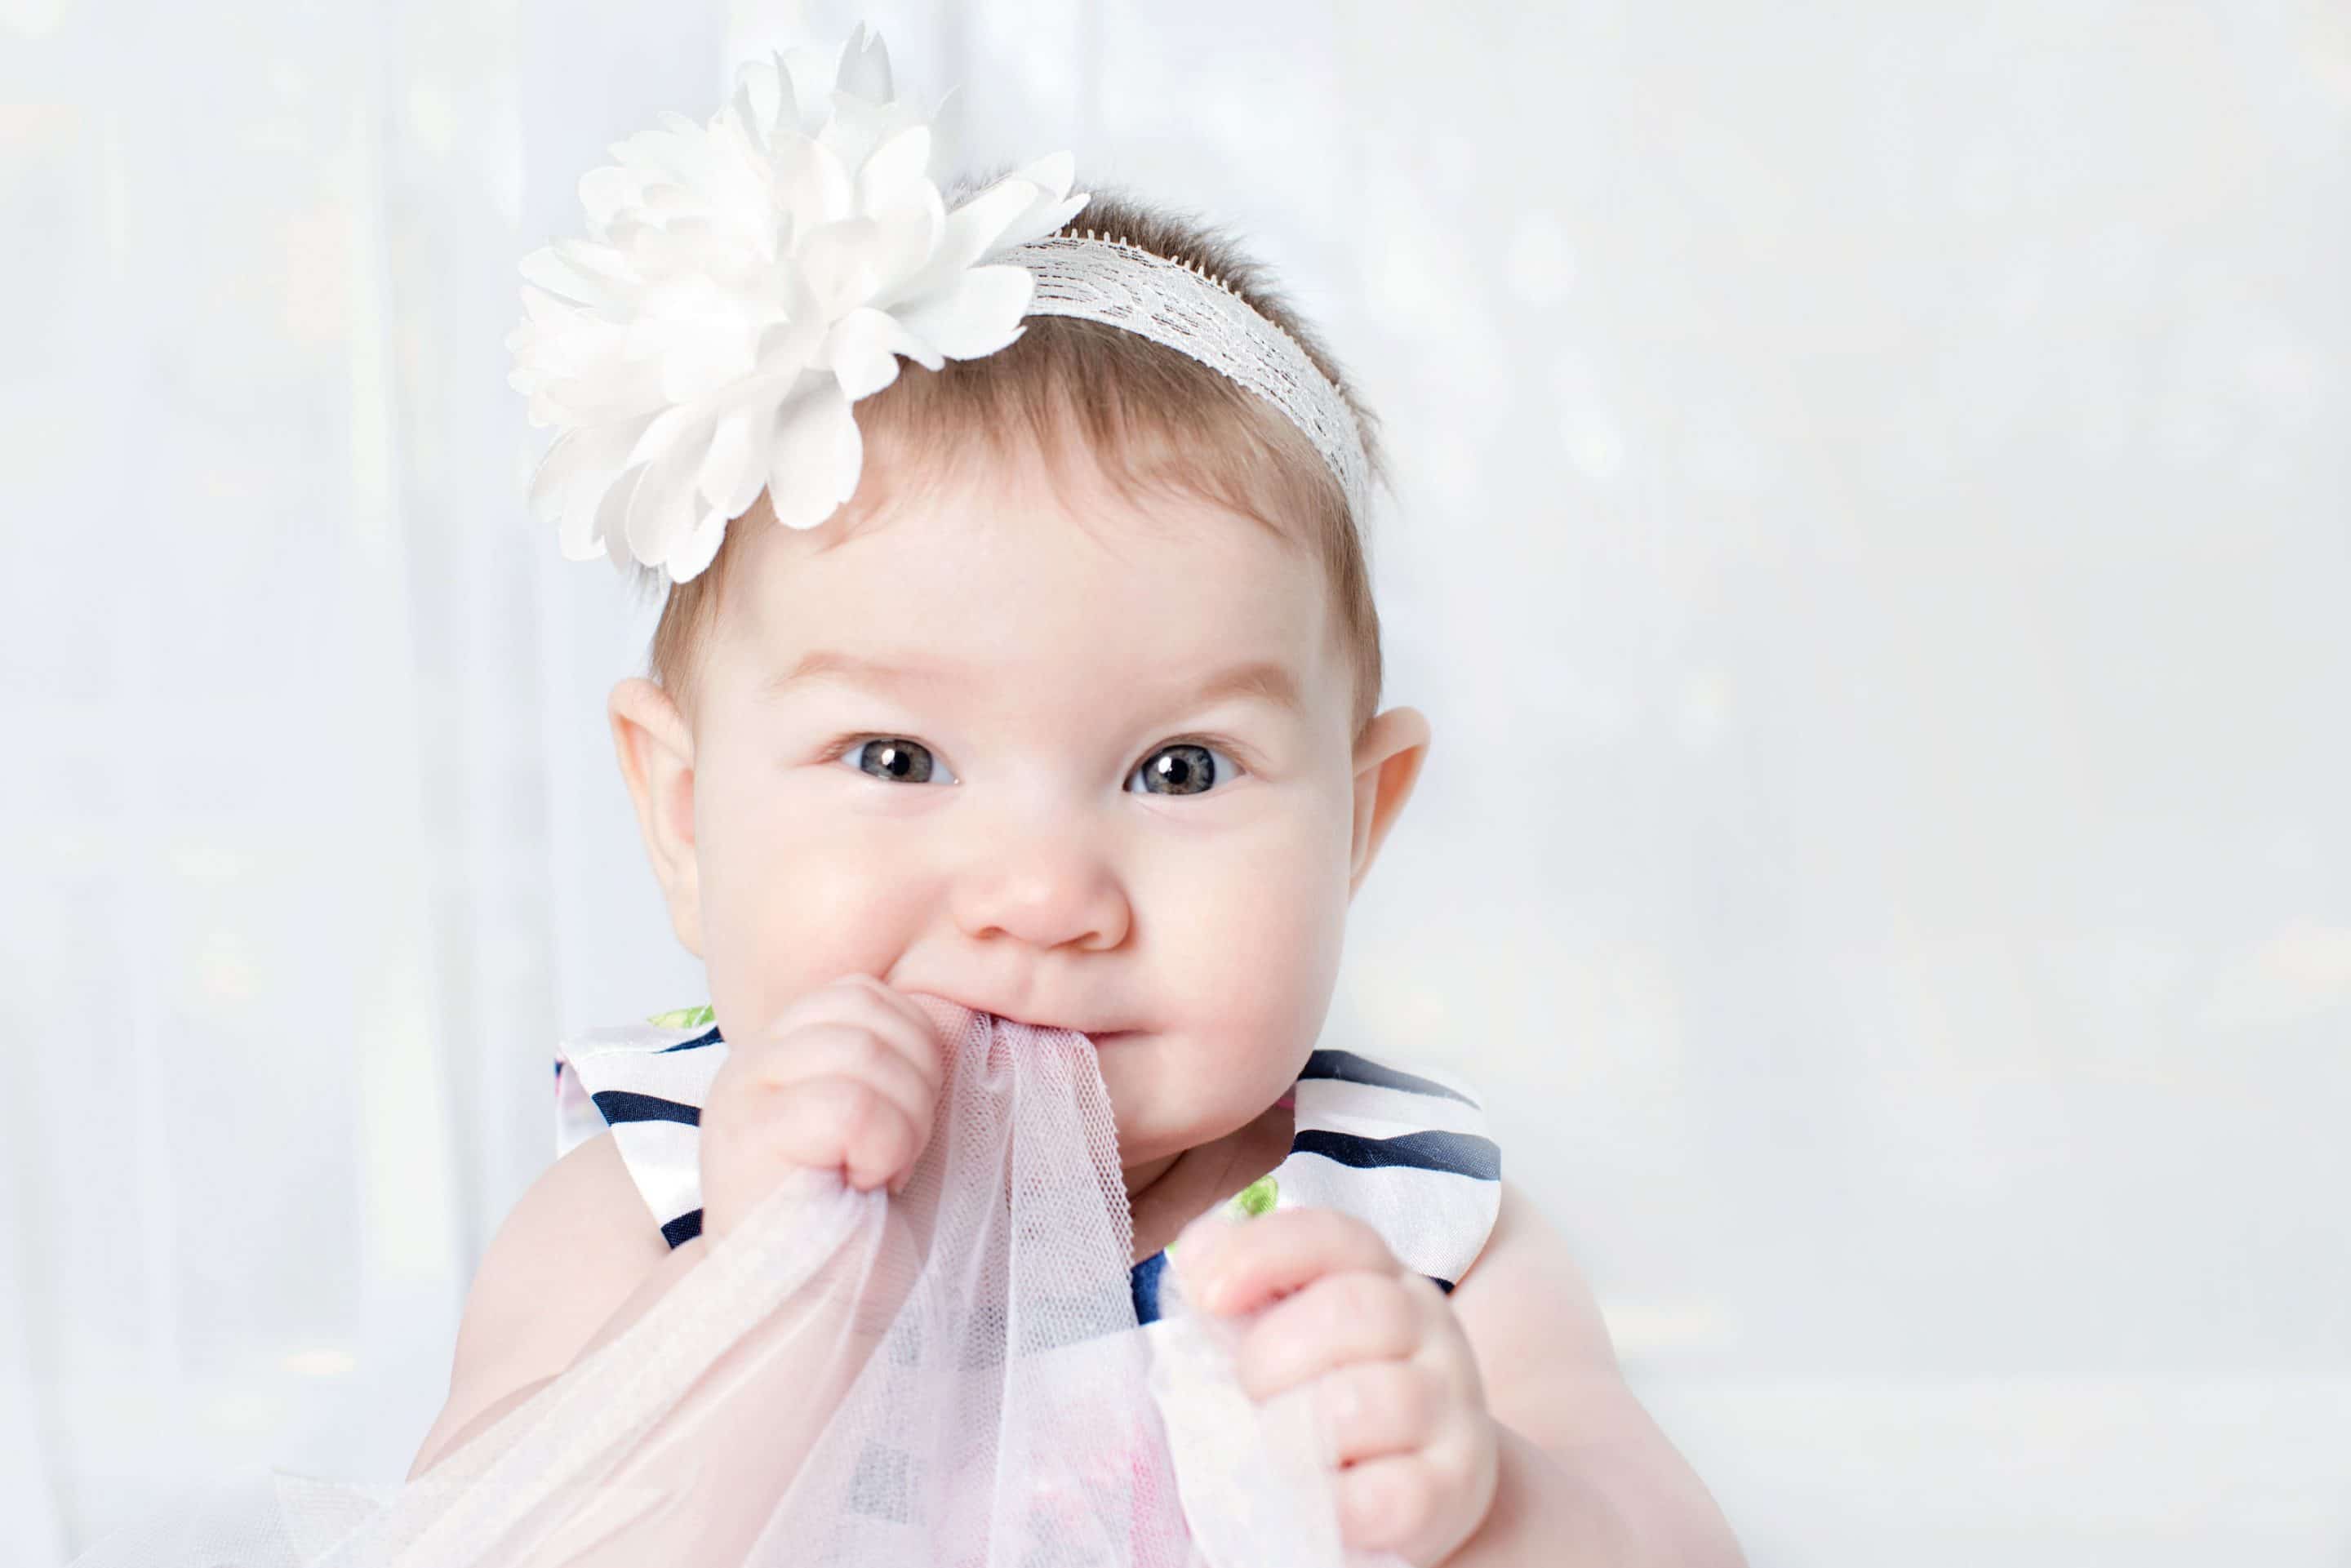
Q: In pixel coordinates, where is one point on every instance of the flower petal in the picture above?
(612, 515)
(864, 347)
(542, 311)
(606, 193)
(575, 529)
(967, 232)
(572, 477)
(700, 549)
(884, 180)
(864, 69)
(560, 278)
(841, 263)
(764, 100)
(664, 434)
(785, 347)
(978, 314)
(811, 185)
(812, 71)
(814, 455)
(732, 473)
(906, 239)
(710, 336)
(787, 100)
(661, 512)
(705, 353)
(558, 469)
(857, 128)
(564, 492)
(1054, 172)
(1045, 215)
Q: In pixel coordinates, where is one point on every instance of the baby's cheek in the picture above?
(788, 911)
(1258, 944)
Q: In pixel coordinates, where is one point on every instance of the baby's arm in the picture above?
(577, 1259)
(1585, 1474)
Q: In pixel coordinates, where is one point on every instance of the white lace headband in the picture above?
(1097, 277)
(745, 282)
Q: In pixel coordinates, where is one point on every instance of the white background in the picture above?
(1873, 537)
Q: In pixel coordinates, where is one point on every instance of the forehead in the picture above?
(1012, 564)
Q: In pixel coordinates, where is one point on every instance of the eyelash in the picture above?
(1231, 749)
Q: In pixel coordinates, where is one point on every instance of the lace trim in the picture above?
(1096, 277)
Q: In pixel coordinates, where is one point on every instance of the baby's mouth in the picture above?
(1100, 1038)
(939, 1006)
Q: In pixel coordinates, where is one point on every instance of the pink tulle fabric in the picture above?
(952, 1377)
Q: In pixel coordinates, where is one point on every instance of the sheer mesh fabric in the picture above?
(952, 1377)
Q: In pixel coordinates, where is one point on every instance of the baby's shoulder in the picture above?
(581, 1215)
(574, 1245)
(569, 1252)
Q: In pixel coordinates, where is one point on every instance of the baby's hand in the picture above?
(1394, 1375)
(847, 1078)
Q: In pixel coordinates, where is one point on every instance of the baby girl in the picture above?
(1070, 714)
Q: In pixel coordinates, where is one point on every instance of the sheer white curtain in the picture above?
(295, 908)
(1873, 528)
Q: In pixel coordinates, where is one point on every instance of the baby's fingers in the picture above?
(824, 1122)
(1237, 1268)
(1376, 1407)
(862, 1002)
(1388, 1504)
(849, 1051)
(1351, 1317)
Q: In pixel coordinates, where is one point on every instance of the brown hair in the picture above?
(1150, 416)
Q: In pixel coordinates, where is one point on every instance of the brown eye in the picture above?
(1184, 767)
(895, 758)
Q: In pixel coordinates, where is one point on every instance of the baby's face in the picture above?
(1022, 745)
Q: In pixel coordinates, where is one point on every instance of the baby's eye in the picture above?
(1180, 768)
(1184, 767)
(896, 758)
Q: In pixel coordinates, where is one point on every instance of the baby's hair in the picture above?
(1151, 417)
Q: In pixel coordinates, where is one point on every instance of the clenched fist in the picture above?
(848, 1077)
(1394, 1378)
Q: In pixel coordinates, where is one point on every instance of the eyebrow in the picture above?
(1260, 679)
(822, 663)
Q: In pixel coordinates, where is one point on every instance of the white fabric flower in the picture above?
(742, 284)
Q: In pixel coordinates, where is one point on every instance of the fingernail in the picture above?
(1217, 1288)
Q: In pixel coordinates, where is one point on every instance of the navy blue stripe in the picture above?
(1460, 1153)
(683, 1228)
(709, 1037)
(1348, 1067)
(620, 1105)
(1143, 1281)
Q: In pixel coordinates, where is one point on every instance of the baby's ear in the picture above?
(656, 751)
(1387, 763)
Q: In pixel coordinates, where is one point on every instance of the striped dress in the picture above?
(1405, 1150)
